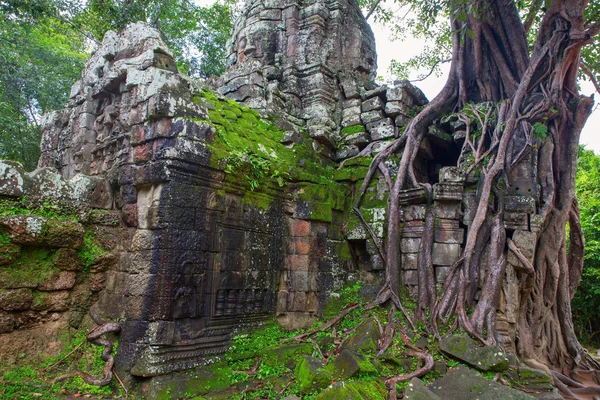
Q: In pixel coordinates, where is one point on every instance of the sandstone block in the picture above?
(51, 301)
(520, 204)
(400, 94)
(371, 116)
(382, 129)
(445, 253)
(377, 91)
(486, 358)
(15, 300)
(526, 242)
(67, 260)
(410, 245)
(61, 281)
(7, 322)
(448, 192)
(395, 108)
(346, 152)
(374, 103)
(451, 175)
(97, 282)
(299, 227)
(51, 232)
(401, 120)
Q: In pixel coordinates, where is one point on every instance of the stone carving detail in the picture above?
(301, 58)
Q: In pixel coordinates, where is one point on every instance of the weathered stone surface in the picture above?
(371, 116)
(7, 322)
(15, 300)
(349, 363)
(451, 175)
(12, 179)
(357, 390)
(365, 338)
(67, 260)
(382, 129)
(51, 301)
(9, 253)
(374, 103)
(52, 232)
(445, 253)
(526, 242)
(462, 383)
(518, 204)
(416, 390)
(61, 281)
(484, 358)
(311, 374)
(531, 379)
(395, 108)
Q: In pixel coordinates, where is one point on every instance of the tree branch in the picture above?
(586, 70)
(373, 8)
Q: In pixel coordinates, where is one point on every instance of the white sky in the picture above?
(402, 51)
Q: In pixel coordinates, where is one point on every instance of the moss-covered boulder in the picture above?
(469, 351)
(534, 380)
(286, 354)
(358, 390)
(463, 383)
(36, 230)
(311, 374)
(349, 363)
(365, 339)
(416, 390)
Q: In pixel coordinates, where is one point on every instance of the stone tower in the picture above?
(302, 59)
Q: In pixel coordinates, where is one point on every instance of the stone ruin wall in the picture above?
(198, 256)
(57, 239)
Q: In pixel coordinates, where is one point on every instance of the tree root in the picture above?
(95, 336)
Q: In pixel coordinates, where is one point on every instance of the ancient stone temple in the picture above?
(221, 218)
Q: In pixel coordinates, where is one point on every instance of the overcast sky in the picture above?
(403, 50)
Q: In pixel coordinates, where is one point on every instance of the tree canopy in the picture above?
(44, 45)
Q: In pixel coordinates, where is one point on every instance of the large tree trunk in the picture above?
(491, 63)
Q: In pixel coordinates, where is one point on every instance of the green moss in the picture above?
(47, 209)
(349, 130)
(32, 266)
(90, 250)
(310, 376)
(248, 148)
(30, 379)
(358, 390)
(4, 238)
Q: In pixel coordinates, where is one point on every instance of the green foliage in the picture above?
(90, 250)
(540, 131)
(586, 303)
(196, 34)
(41, 57)
(30, 380)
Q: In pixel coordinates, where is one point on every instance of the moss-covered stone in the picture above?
(484, 358)
(349, 130)
(349, 363)
(249, 150)
(286, 354)
(311, 374)
(358, 390)
(32, 266)
(364, 340)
